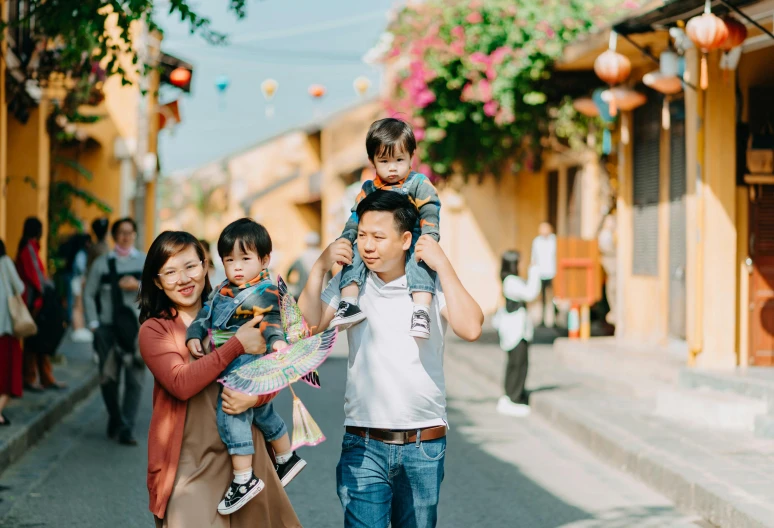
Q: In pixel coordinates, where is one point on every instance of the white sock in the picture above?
(283, 457)
(242, 477)
(424, 307)
(350, 300)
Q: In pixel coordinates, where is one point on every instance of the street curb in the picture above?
(17, 445)
(651, 465)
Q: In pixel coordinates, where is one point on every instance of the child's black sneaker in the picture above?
(239, 494)
(420, 324)
(347, 315)
(290, 469)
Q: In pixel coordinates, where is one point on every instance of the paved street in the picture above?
(499, 472)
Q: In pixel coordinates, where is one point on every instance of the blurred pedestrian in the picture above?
(188, 464)
(10, 349)
(299, 271)
(215, 270)
(42, 302)
(606, 241)
(115, 279)
(75, 251)
(515, 331)
(100, 246)
(544, 257)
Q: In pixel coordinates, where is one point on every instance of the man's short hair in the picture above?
(387, 135)
(117, 225)
(249, 234)
(403, 211)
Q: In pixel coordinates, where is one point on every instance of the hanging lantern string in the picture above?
(652, 57)
(746, 17)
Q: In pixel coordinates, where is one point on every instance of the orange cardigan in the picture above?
(162, 345)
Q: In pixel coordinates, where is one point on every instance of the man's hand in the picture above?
(195, 348)
(429, 251)
(339, 252)
(129, 283)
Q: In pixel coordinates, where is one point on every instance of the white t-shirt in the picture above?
(544, 255)
(512, 327)
(394, 381)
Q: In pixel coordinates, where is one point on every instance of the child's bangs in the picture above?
(391, 148)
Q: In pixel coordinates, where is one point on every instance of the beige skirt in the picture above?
(204, 473)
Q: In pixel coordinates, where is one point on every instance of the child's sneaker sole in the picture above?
(346, 322)
(244, 500)
(293, 473)
(421, 334)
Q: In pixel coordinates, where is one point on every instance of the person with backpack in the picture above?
(45, 306)
(114, 281)
(515, 331)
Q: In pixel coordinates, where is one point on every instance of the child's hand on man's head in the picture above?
(279, 345)
(195, 348)
(429, 251)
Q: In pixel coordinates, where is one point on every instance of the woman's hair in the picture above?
(3, 252)
(33, 230)
(509, 264)
(154, 302)
(249, 234)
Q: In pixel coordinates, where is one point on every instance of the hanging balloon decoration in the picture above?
(361, 85)
(222, 83)
(708, 32)
(317, 91)
(269, 88)
(180, 77)
(613, 68)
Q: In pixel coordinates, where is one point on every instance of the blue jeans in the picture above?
(235, 429)
(419, 277)
(380, 483)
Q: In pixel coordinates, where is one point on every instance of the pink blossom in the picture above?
(474, 18)
(475, 4)
(458, 48)
(458, 32)
(498, 55)
(547, 29)
(419, 134)
(491, 108)
(479, 58)
(630, 4)
(424, 168)
(491, 72)
(467, 92)
(424, 98)
(485, 91)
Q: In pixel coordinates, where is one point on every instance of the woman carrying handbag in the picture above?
(15, 322)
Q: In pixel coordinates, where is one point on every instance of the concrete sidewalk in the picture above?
(723, 476)
(35, 413)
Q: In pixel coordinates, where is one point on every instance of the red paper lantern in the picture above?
(737, 33)
(708, 32)
(180, 77)
(317, 90)
(624, 98)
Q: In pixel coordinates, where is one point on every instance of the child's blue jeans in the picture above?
(235, 429)
(419, 277)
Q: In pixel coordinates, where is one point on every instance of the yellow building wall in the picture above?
(28, 175)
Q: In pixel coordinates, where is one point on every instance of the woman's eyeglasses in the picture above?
(192, 271)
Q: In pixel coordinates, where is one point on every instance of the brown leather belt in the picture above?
(399, 437)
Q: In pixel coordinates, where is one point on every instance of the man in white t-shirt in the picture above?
(392, 456)
(544, 258)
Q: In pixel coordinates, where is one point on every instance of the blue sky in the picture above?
(296, 42)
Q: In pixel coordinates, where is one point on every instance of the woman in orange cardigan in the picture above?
(188, 465)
